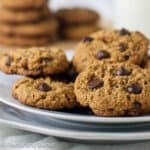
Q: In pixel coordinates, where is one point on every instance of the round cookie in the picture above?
(40, 61)
(15, 17)
(78, 32)
(114, 89)
(42, 28)
(77, 16)
(23, 4)
(115, 46)
(44, 93)
(25, 41)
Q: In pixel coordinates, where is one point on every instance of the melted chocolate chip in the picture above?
(137, 105)
(95, 83)
(88, 39)
(44, 87)
(126, 57)
(122, 47)
(134, 88)
(45, 59)
(8, 61)
(123, 32)
(102, 54)
(122, 72)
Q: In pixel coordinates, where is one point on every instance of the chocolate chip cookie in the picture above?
(34, 61)
(116, 46)
(16, 17)
(77, 16)
(44, 93)
(114, 89)
(43, 28)
(23, 4)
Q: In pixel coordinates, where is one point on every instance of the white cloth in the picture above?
(13, 139)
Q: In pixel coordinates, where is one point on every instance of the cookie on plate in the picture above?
(44, 93)
(114, 89)
(115, 46)
(34, 61)
(78, 32)
(23, 4)
(15, 17)
(42, 28)
(77, 16)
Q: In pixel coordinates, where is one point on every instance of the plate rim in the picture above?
(76, 117)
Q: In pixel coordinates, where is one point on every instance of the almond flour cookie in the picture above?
(42, 28)
(115, 46)
(34, 61)
(78, 32)
(15, 17)
(23, 4)
(44, 93)
(114, 89)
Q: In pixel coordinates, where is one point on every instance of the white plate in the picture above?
(6, 82)
(24, 121)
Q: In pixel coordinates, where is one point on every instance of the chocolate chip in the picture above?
(134, 88)
(95, 83)
(88, 39)
(122, 72)
(123, 32)
(8, 61)
(102, 54)
(45, 59)
(126, 57)
(137, 105)
(122, 47)
(44, 87)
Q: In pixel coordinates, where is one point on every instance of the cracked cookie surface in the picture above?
(34, 61)
(114, 89)
(116, 46)
(44, 93)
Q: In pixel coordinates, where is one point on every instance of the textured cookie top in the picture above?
(44, 93)
(23, 4)
(34, 61)
(115, 46)
(77, 16)
(114, 89)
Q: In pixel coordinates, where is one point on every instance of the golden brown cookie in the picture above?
(42, 28)
(40, 61)
(15, 17)
(23, 4)
(115, 46)
(114, 89)
(44, 93)
(76, 16)
(78, 32)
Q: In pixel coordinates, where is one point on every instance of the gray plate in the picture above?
(24, 121)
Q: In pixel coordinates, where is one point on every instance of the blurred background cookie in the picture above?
(23, 4)
(18, 16)
(76, 23)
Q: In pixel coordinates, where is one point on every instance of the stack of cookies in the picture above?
(26, 23)
(109, 80)
(77, 23)
(45, 68)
